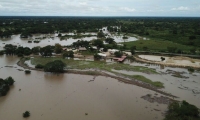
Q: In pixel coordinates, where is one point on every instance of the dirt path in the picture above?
(100, 73)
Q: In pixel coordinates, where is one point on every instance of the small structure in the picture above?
(127, 53)
(112, 51)
(94, 47)
(82, 49)
(120, 59)
(102, 55)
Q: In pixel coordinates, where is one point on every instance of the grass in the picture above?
(81, 64)
(146, 80)
(156, 45)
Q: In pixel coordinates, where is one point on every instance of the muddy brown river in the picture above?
(74, 97)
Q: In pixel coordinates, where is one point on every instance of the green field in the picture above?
(156, 45)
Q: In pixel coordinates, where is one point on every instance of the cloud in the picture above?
(181, 8)
(99, 7)
(128, 9)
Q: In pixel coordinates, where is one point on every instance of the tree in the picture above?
(25, 34)
(118, 54)
(97, 57)
(46, 51)
(10, 49)
(26, 114)
(35, 50)
(182, 111)
(98, 43)
(68, 54)
(1, 52)
(133, 48)
(100, 34)
(58, 48)
(56, 66)
(9, 80)
(109, 40)
(162, 58)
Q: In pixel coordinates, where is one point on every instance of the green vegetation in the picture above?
(79, 64)
(58, 48)
(27, 72)
(26, 114)
(162, 58)
(39, 66)
(5, 85)
(73, 64)
(56, 66)
(46, 51)
(1, 52)
(118, 54)
(190, 69)
(68, 54)
(182, 111)
(97, 57)
(158, 46)
(146, 80)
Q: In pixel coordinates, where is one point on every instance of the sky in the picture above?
(174, 8)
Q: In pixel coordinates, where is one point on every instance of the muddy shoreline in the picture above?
(100, 73)
(138, 59)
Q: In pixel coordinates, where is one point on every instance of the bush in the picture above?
(182, 111)
(190, 69)
(26, 114)
(118, 54)
(56, 66)
(162, 58)
(9, 80)
(20, 55)
(97, 57)
(27, 71)
(1, 52)
(39, 66)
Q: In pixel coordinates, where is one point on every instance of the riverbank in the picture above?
(167, 64)
(103, 73)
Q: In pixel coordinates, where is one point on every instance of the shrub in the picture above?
(39, 66)
(97, 57)
(182, 111)
(118, 54)
(1, 52)
(9, 80)
(190, 69)
(27, 71)
(162, 58)
(56, 66)
(26, 114)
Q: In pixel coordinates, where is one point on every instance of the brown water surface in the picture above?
(68, 96)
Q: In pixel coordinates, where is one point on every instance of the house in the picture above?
(82, 49)
(112, 51)
(120, 59)
(102, 55)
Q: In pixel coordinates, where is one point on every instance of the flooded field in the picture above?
(51, 39)
(69, 96)
(177, 81)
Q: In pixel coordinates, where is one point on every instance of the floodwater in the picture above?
(184, 61)
(74, 97)
(51, 39)
(186, 87)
